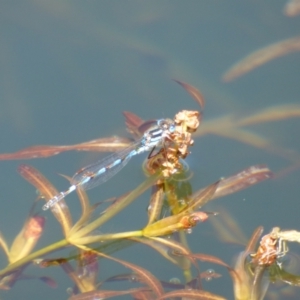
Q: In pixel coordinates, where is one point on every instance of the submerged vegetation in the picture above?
(173, 210)
(267, 267)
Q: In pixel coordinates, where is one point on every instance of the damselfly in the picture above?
(101, 171)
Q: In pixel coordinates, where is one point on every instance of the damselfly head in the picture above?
(157, 133)
(166, 125)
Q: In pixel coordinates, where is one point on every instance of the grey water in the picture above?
(69, 70)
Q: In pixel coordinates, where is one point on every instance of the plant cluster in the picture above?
(173, 210)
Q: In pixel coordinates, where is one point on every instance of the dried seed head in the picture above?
(176, 145)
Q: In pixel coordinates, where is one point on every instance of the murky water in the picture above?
(68, 70)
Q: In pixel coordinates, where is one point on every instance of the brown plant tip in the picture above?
(190, 119)
(191, 220)
(270, 248)
(176, 144)
(194, 93)
(186, 122)
(34, 227)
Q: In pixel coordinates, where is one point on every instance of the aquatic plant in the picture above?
(173, 210)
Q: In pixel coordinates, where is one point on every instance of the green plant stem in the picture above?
(116, 208)
(102, 237)
(37, 254)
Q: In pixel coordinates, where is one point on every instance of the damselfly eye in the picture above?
(172, 127)
(167, 124)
